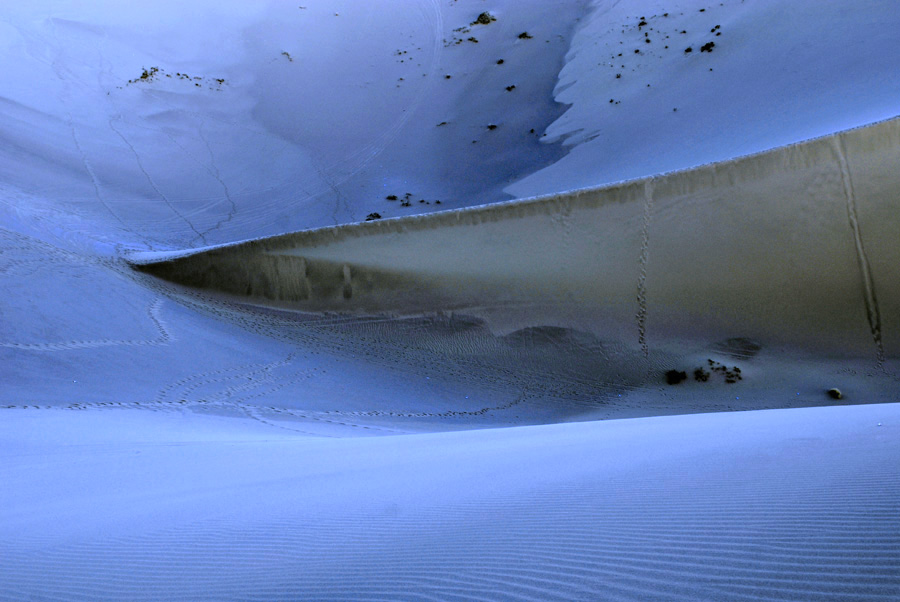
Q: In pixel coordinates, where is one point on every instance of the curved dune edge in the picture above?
(793, 246)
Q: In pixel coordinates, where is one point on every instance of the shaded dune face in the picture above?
(792, 247)
(739, 283)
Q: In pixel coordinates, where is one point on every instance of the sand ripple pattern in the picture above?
(791, 528)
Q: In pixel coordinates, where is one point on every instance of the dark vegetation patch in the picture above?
(674, 377)
(484, 18)
(731, 375)
(153, 73)
(405, 201)
(702, 374)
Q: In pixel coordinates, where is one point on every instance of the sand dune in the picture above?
(472, 404)
(795, 245)
(788, 254)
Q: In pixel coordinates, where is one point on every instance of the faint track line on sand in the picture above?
(164, 338)
(153, 185)
(869, 296)
(94, 180)
(644, 260)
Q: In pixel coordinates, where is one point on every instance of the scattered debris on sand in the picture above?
(154, 73)
(701, 375)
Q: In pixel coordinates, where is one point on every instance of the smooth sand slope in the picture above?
(774, 505)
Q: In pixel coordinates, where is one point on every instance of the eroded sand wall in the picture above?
(797, 245)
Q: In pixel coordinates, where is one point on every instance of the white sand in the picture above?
(760, 505)
(159, 442)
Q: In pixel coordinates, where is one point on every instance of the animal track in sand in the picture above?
(164, 338)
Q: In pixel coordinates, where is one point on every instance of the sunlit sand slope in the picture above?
(797, 246)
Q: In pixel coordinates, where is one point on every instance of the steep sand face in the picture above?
(792, 247)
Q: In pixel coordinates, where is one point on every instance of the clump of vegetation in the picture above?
(373, 216)
(731, 375)
(701, 375)
(457, 39)
(484, 18)
(674, 377)
(406, 201)
(708, 47)
(149, 75)
(525, 36)
(146, 76)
